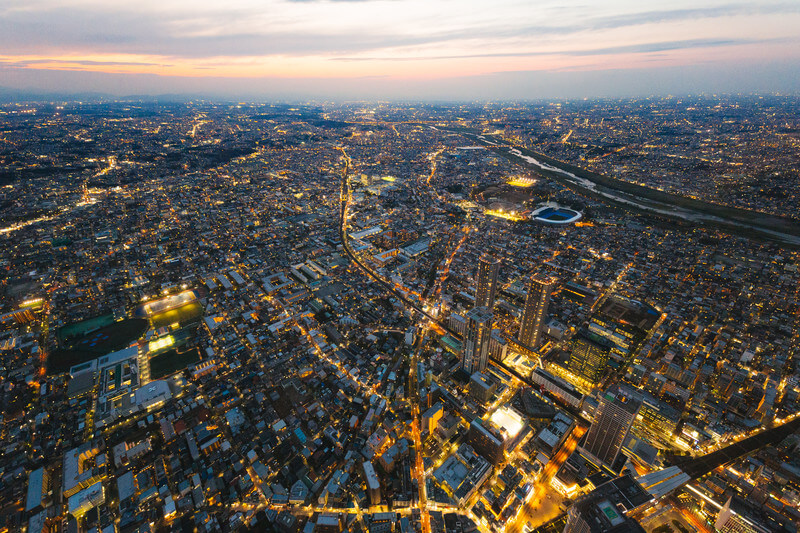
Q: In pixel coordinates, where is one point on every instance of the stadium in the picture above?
(166, 304)
(551, 213)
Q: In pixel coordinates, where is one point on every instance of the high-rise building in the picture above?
(475, 356)
(533, 317)
(488, 268)
(590, 354)
(612, 423)
(498, 346)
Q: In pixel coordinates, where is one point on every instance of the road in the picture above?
(530, 510)
(552, 466)
(419, 468)
(345, 199)
(19, 225)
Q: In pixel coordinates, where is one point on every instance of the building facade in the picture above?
(611, 426)
(590, 355)
(535, 313)
(475, 355)
(488, 269)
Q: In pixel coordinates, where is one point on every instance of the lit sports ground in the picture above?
(554, 214)
(89, 339)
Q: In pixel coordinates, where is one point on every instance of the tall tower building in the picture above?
(612, 423)
(475, 356)
(535, 312)
(590, 354)
(488, 268)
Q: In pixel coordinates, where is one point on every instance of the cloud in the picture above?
(626, 49)
(237, 32)
(666, 46)
(384, 38)
(85, 62)
(745, 76)
(73, 31)
(675, 15)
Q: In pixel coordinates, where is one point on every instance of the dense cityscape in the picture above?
(574, 316)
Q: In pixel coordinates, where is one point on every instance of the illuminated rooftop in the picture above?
(508, 215)
(519, 181)
(508, 420)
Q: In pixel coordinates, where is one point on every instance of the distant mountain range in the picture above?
(11, 95)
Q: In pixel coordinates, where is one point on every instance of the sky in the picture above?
(400, 49)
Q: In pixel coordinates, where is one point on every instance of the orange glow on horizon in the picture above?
(398, 67)
(388, 48)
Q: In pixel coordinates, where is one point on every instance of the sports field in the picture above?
(97, 343)
(183, 315)
(172, 361)
(72, 331)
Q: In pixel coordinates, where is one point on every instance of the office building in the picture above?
(487, 439)
(590, 355)
(463, 473)
(476, 343)
(535, 313)
(431, 417)
(551, 437)
(481, 388)
(611, 426)
(556, 386)
(39, 488)
(488, 268)
(498, 346)
(501, 432)
(83, 467)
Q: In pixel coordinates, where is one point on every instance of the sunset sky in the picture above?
(399, 48)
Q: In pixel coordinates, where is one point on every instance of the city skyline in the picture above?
(399, 266)
(268, 317)
(380, 49)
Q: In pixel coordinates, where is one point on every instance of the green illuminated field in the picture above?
(183, 315)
